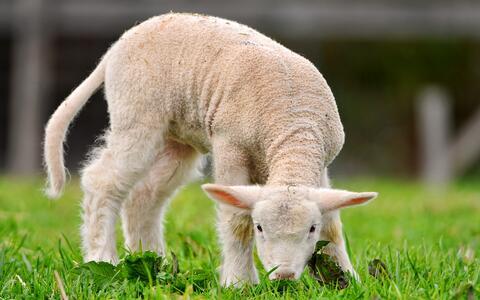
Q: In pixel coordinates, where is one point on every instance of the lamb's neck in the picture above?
(296, 157)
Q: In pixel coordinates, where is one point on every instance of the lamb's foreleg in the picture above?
(332, 231)
(235, 227)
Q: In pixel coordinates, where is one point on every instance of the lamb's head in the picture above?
(286, 220)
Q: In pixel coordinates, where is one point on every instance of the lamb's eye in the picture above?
(259, 228)
(312, 229)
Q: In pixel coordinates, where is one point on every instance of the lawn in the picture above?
(429, 242)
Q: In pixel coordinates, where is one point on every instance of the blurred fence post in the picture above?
(433, 125)
(28, 87)
(466, 148)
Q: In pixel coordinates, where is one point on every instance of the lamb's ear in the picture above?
(238, 196)
(331, 199)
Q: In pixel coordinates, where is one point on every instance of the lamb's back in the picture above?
(209, 76)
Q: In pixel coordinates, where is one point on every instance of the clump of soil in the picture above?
(378, 269)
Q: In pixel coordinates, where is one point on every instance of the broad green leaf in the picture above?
(101, 272)
(325, 270)
(320, 245)
(143, 266)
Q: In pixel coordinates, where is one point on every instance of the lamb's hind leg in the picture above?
(142, 213)
(107, 180)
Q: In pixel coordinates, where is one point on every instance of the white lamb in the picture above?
(179, 85)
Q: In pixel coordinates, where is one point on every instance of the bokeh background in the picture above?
(406, 75)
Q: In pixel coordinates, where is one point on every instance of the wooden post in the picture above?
(433, 115)
(466, 148)
(28, 88)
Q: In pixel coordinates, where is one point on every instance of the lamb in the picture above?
(182, 85)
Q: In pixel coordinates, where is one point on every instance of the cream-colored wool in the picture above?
(181, 84)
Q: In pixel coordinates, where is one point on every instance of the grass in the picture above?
(428, 241)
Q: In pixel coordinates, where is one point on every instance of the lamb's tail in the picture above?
(57, 127)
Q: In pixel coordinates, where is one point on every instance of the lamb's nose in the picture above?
(284, 275)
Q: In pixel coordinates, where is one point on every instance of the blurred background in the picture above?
(406, 75)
